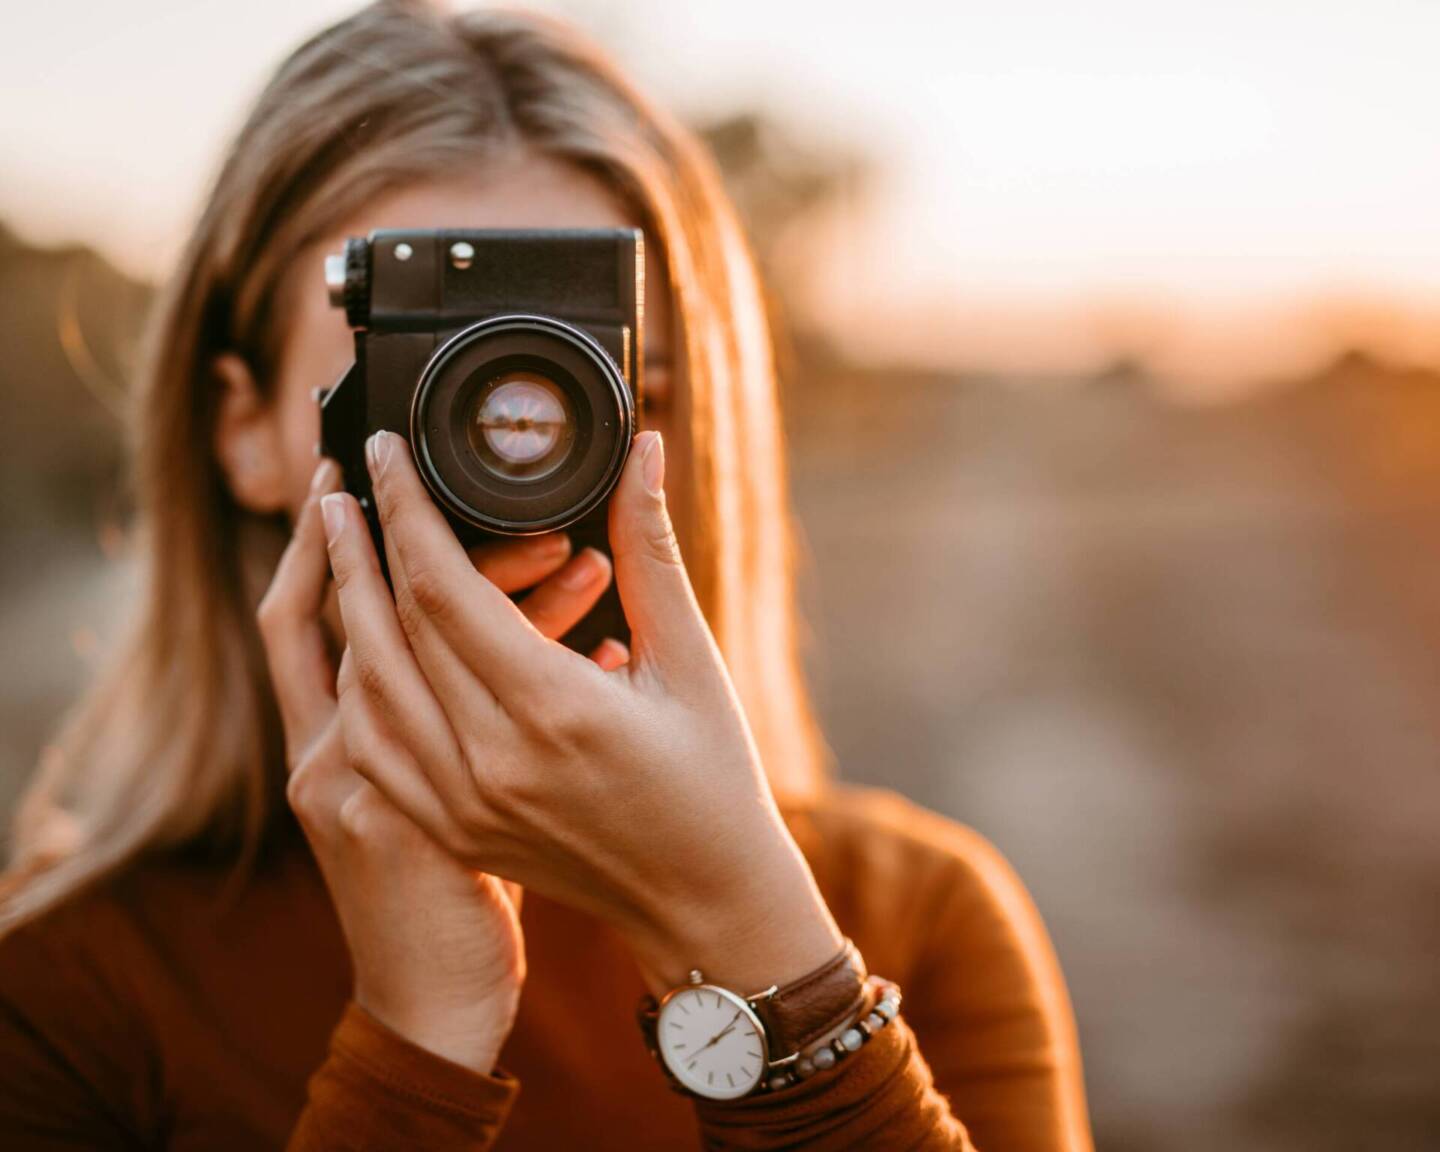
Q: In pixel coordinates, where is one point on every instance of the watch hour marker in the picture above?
(709, 1077)
(729, 1079)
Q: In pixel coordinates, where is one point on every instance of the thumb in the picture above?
(666, 625)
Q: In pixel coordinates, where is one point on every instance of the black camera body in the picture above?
(511, 362)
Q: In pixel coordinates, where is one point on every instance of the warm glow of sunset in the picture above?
(1227, 187)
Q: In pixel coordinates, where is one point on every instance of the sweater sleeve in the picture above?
(881, 1099)
(376, 1090)
(990, 1011)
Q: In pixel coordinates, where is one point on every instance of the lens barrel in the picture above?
(521, 424)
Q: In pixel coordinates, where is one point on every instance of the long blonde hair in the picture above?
(178, 744)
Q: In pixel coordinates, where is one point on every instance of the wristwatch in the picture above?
(716, 1043)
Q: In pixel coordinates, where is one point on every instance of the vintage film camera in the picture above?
(510, 360)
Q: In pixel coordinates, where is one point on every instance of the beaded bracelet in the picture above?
(827, 1055)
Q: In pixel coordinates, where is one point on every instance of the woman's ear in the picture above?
(248, 441)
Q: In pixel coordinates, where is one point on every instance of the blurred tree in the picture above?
(69, 324)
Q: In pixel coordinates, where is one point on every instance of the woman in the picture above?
(187, 965)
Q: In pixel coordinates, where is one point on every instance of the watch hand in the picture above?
(725, 1032)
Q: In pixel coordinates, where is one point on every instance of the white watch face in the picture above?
(712, 1041)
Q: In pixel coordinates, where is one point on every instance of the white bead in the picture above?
(804, 1066)
(852, 1039)
(874, 1021)
(823, 1059)
(778, 1082)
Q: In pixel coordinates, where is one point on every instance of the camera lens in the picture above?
(521, 426)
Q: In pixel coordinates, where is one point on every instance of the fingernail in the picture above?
(377, 452)
(652, 462)
(323, 476)
(581, 572)
(332, 508)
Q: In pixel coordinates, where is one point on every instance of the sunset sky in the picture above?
(1122, 172)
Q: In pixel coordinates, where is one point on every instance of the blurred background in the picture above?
(1113, 397)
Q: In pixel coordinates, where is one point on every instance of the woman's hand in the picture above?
(635, 794)
(436, 947)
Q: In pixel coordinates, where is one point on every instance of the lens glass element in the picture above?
(521, 425)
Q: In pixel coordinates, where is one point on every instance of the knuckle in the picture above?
(302, 794)
(270, 614)
(658, 544)
(370, 678)
(532, 711)
(481, 760)
(559, 720)
(356, 818)
(429, 592)
(297, 792)
(410, 615)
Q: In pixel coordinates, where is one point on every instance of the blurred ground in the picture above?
(1179, 664)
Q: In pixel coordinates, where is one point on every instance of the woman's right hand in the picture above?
(437, 950)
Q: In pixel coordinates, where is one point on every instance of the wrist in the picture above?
(770, 929)
(794, 1029)
(470, 1034)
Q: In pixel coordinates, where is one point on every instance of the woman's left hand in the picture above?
(634, 794)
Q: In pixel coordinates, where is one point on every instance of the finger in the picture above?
(610, 654)
(322, 781)
(296, 647)
(666, 625)
(561, 602)
(442, 601)
(514, 565)
(374, 753)
(384, 667)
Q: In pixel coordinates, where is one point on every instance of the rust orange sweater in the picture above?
(164, 1010)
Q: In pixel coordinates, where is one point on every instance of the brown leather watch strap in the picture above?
(819, 1001)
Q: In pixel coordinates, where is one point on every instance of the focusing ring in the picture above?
(357, 281)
